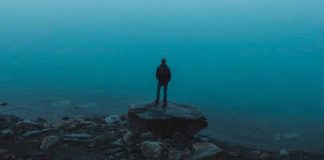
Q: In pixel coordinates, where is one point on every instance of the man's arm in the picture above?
(157, 73)
(169, 74)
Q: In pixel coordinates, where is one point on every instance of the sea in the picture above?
(254, 68)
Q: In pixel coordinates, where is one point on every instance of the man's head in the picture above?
(163, 61)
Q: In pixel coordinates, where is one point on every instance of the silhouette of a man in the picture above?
(163, 75)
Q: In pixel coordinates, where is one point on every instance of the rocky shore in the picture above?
(145, 132)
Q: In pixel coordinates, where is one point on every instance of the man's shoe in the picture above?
(165, 104)
(156, 101)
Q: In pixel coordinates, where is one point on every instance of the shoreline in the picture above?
(87, 137)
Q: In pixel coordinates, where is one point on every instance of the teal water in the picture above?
(254, 67)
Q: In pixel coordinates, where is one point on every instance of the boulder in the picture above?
(151, 150)
(205, 151)
(48, 142)
(174, 118)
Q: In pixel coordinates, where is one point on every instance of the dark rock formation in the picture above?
(175, 118)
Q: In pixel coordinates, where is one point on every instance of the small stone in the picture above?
(113, 151)
(8, 156)
(129, 138)
(49, 142)
(234, 153)
(100, 140)
(77, 137)
(265, 156)
(284, 152)
(123, 123)
(146, 136)
(118, 143)
(174, 155)
(203, 139)
(256, 152)
(6, 133)
(28, 125)
(4, 104)
(151, 149)
(3, 151)
(36, 132)
(205, 151)
(112, 119)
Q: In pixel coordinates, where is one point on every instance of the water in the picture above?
(254, 67)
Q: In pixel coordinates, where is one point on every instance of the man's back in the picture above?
(163, 73)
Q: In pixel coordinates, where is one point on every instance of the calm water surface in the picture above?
(254, 67)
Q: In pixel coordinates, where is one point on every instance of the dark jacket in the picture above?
(163, 74)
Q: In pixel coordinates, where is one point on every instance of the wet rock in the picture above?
(71, 125)
(146, 136)
(118, 143)
(36, 132)
(151, 150)
(40, 120)
(112, 119)
(205, 151)
(3, 151)
(129, 138)
(7, 121)
(284, 152)
(49, 142)
(175, 118)
(6, 133)
(78, 137)
(8, 156)
(27, 125)
(113, 151)
(265, 156)
(174, 155)
(100, 140)
(123, 123)
(203, 139)
(256, 152)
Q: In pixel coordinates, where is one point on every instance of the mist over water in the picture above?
(255, 68)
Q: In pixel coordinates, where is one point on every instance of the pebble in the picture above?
(265, 156)
(151, 149)
(112, 119)
(49, 142)
(284, 152)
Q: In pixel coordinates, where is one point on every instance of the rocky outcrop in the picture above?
(175, 118)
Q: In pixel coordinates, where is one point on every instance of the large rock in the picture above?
(175, 118)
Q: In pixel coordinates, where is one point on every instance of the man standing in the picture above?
(163, 75)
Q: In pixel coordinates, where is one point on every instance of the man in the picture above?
(163, 75)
